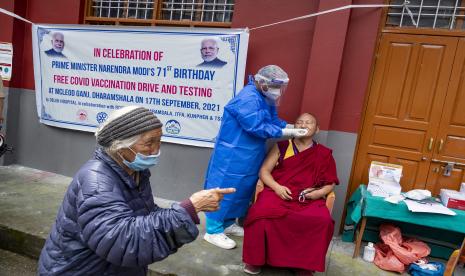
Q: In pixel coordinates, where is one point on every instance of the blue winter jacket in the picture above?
(248, 120)
(107, 225)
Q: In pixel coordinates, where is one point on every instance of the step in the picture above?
(15, 264)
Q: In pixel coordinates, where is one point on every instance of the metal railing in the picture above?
(192, 10)
(436, 14)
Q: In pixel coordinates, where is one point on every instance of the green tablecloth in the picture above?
(449, 229)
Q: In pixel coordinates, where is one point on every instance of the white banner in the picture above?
(184, 75)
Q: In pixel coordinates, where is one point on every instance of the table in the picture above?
(365, 206)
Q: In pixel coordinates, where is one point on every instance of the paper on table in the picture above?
(383, 179)
(436, 208)
(395, 199)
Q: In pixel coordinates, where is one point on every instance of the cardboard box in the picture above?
(384, 179)
(452, 199)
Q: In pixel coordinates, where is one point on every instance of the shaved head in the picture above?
(307, 116)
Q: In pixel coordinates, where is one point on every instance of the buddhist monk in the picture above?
(289, 225)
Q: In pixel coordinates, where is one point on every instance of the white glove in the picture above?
(289, 126)
(294, 132)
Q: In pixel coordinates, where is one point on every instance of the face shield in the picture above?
(273, 89)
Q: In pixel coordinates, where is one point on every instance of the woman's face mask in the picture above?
(142, 162)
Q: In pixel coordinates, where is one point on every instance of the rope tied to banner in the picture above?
(404, 6)
(15, 16)
(410, 13)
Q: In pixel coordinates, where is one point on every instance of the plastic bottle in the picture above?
(369, 252)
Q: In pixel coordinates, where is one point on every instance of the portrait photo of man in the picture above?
(209, 52)
(58, 44)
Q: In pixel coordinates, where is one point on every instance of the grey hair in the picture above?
(117, 144)
(210, 39)
(54, 34)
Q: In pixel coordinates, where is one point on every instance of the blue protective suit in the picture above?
(248, 120)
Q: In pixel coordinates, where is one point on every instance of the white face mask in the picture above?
(273, 93)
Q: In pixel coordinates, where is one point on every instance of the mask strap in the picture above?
(125, 158)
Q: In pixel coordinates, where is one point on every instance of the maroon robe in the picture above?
(290, 233)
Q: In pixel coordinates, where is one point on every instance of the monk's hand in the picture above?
(209, 200)
(283, 192)
(315, 194)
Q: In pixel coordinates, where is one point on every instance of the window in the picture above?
(436, 14)
(211, 13)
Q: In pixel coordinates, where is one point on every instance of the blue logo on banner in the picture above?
(173, 127)
(101, 117)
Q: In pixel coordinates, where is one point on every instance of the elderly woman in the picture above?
(108, 223)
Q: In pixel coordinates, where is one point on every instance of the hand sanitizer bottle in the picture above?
(369, 252)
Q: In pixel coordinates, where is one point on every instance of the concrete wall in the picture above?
(355, 70)
(343, 145)
(286, 45)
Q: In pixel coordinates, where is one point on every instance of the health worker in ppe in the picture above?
(248, 120)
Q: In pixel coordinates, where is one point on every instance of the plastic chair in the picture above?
(330, 198)
(458, 256)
